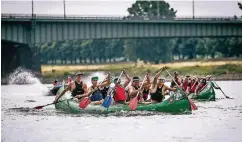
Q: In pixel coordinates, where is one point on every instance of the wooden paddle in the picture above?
(108, 99)
(40, 107)
(221, 90)
(133, 103)
(193, 106)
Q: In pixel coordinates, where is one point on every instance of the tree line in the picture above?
(153, 50)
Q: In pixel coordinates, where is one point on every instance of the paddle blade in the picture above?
(107, 101)
(39, 107)
(84, 103)
(133, 103)
(193, 106)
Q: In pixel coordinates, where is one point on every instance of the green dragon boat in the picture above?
(176, 103)
(206, 94)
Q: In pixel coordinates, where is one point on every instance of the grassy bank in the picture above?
(222, 70)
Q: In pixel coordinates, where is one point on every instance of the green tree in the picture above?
(140, 48)
(149, 9)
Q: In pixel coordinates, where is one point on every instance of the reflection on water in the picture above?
(219, 121)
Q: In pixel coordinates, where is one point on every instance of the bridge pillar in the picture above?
(32, 44)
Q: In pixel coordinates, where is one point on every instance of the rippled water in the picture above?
(219, 121)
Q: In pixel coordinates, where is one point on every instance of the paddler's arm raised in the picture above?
(62, 93)
(147, 81)
(90, 90)
(127, 77)
(154, 82)
(106, 83)
(148, 78)
(208, 77)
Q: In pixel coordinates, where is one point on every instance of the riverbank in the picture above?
(221, 70)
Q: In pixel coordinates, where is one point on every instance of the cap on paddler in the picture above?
(175, 73)
(135, 78)
(95, 78)
(79, 73)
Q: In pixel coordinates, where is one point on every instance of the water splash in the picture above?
(22, 76)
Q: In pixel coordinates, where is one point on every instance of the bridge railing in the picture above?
(100, 17)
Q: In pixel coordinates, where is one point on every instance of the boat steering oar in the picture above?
(133, 103)
(40, 107)
(108, 99)
(193, 106)
(221, 90)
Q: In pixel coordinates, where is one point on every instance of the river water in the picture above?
(219, 121)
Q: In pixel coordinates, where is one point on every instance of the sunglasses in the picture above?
(94, 80)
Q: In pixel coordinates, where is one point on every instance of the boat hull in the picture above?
(207, 94)
(176, 103)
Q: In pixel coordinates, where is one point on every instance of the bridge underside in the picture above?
(14, 55)
(49, 31)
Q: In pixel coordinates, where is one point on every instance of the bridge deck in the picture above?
(93, 18)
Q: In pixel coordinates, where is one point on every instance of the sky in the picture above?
(205, 8)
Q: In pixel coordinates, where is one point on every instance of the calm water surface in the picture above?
(219, 121)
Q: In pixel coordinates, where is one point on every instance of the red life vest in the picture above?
(192, 87)
(184, 87)
(177, 81)
(201, 86)
(119, 94)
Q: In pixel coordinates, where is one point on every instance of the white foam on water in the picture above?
(22, 76)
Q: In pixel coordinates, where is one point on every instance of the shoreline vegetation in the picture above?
(225, 69)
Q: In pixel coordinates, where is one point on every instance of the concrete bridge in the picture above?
(34, 29)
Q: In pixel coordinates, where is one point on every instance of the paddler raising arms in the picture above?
(177, 79)
(192, 85)
(78, 88)
(135, 88)
(146, 91)
(95, 92)
(203, 83)
(119, 95)
(158, 88)
(105, 89)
